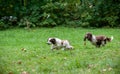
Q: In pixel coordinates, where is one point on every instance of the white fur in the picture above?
(112, 38)
(60, 44)
(94, 40)
(103, 43)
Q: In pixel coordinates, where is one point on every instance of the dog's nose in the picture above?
(48, 43)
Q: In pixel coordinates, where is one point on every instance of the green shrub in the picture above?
(25, 22)
(77, 13)
(2, 25)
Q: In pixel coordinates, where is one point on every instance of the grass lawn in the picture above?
(26, 51)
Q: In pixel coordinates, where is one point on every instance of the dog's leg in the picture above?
(53, 47)
(63, 48)
(103, 43)
(69, 47)
(98, 44)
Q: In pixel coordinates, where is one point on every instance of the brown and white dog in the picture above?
(97, 40)
(57, 43)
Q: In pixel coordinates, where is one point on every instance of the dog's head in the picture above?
(51, 41)
(88, 36)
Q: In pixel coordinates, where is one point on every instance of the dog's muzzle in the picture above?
(48, 43)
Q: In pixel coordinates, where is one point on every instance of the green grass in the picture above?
(37, 58)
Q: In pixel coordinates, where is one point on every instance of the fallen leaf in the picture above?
(109, 69)
(104, 70)
(10, 72)
(19, 62)
(24, 72)
(64, 58)
(23, 49)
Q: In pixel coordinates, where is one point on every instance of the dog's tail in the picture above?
(109, 39)
(112, 38)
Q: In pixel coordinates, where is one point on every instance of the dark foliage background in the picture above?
(51, 13)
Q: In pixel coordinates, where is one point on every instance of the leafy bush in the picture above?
(24, 22)
(2, 25)
(77, 13)
(8, 21)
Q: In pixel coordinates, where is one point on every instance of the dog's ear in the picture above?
(88, 36)
(53, 41)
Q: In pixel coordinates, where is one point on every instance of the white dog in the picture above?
(58, 43)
